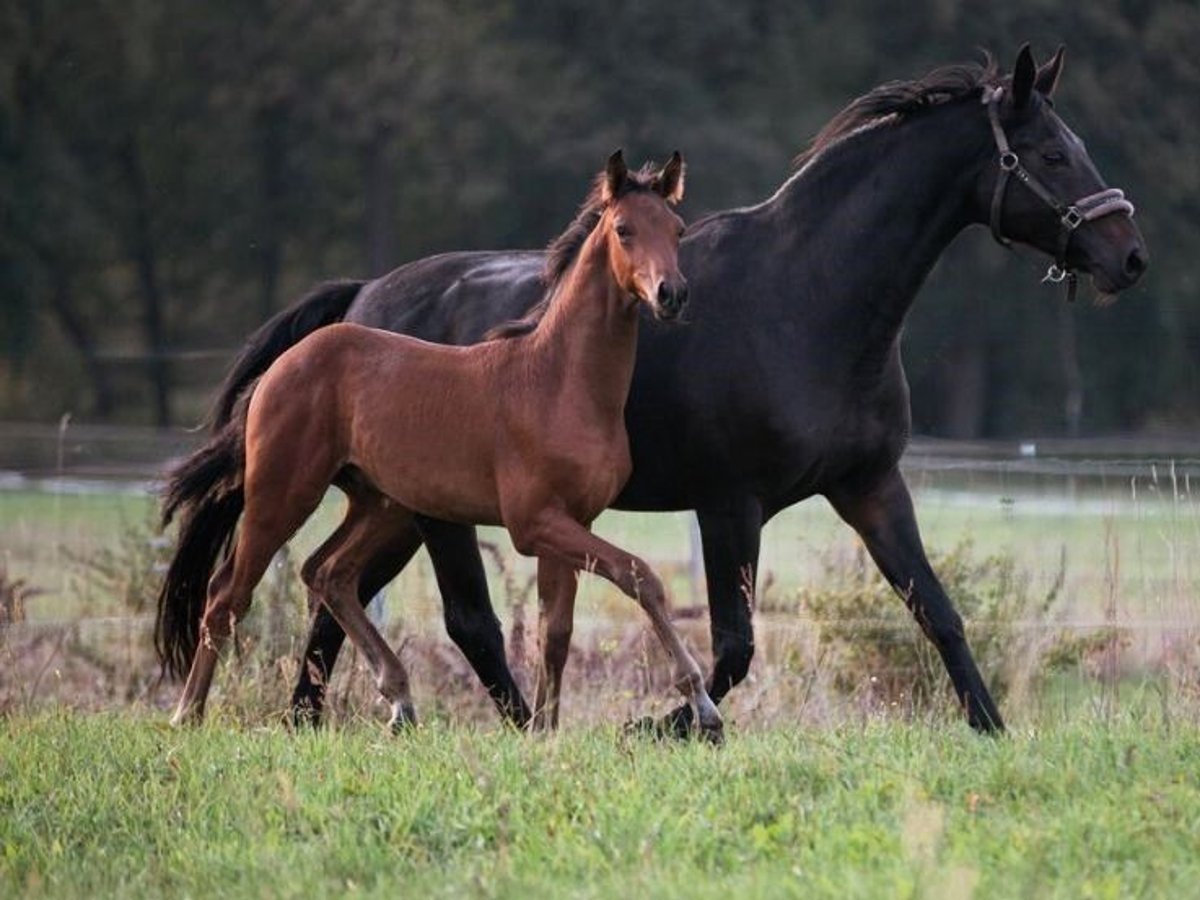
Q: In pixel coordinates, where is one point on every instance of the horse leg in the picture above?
(730, 537)
(883, 516)
(263, 530)
(355, 542)
(557, 535)
(556, 613)
(325, 636)
(467, 609)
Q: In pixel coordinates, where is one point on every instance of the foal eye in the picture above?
(624, 231)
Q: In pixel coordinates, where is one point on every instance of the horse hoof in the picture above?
(675, 725)
(404, 718)
(305, 717)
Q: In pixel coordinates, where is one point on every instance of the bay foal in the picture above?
(525, 431)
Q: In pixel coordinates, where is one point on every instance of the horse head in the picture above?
(1042, 189)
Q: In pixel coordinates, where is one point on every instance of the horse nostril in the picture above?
(1135, 263)
(681, 295)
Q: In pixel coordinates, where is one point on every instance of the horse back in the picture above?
(452, 298)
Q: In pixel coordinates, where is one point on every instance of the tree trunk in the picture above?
(80, 336)
(964, 405)
(272, 149)
(140, 246)
(1072, 374)
(379, 191)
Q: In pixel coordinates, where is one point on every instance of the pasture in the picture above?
(824, 787)
(119, 804)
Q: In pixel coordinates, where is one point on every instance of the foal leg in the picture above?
(556, 613)
(730, 537)
(557, 535)
(347, 552)
(883, 516)
(262, 532)
(325, 636)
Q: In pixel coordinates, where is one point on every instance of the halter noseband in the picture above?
(1070, 215)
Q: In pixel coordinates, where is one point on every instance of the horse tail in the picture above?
(325, 305)
(206, 492)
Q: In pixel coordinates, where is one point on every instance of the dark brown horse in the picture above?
(790, 382)
(526, 432)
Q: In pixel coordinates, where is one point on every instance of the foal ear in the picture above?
(614, 176)
(669, 181)
(1024, 74)
(1048, 74)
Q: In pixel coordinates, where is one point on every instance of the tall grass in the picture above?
(119, 805)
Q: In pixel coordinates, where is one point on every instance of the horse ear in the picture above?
(669, 181)
(1048, 74)
(1024, 75)
(614, 176)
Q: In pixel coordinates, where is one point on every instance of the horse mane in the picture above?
(898, 100)
(562, 251)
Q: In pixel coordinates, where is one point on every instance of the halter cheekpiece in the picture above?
(1070, 215)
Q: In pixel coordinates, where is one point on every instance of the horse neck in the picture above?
(587, 341)
(902, 192)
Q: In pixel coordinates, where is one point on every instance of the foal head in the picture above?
(642, 232)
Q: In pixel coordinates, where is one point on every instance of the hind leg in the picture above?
(282, 488)
(370, 521)
(230, 592)
(325, 636)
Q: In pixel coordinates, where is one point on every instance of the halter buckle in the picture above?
(1055, 274)
(1072, 218)
(1009, 161)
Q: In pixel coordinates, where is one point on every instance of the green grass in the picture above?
(119, 805)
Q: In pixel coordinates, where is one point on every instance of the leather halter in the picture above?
(1070, 215)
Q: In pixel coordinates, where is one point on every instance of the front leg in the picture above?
(556, 616)
(552, 533)
(730, 536)
(883, 516)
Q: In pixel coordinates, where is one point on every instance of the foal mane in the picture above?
(562, 251)
(898, 100)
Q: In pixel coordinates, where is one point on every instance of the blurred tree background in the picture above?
(173, 173)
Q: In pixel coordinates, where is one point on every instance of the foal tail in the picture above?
(325, 305)
(206, 492)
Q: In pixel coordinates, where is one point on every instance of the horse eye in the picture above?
(624, 231)
(1054, 158)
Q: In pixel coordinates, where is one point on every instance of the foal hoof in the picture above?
(404, 718)
(675, 725)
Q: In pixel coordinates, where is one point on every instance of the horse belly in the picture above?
(424, 434)
(440, 482)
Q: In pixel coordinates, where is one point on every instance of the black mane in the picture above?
(900, 99)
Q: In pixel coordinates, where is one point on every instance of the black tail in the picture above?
(323, 306)
(206, 492)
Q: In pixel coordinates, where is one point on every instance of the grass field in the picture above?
(117, 805)
(816, 792)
